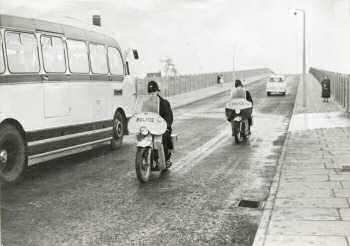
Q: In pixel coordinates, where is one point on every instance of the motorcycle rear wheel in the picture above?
(143, 164)
(238, 132)
(238, 138)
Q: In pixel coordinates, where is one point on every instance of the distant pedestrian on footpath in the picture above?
(326, 89)
(221, 79)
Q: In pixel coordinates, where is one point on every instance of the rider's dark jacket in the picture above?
(249, 97)
(167, 114)
(165, 111)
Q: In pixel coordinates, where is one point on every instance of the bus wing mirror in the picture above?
(136, 54)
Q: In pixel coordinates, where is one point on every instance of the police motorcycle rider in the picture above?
(240, 92)
(163, 108)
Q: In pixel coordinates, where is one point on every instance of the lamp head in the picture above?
(294, 11)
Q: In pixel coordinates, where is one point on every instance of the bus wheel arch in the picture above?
(13, 149)
(119, 128)
(16, 124)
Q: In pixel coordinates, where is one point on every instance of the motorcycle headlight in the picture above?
(237, 111)
(144, 131)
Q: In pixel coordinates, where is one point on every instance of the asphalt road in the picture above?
(94, 198)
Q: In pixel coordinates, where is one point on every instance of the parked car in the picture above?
(276, 85)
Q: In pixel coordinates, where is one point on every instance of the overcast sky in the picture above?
(205, 35)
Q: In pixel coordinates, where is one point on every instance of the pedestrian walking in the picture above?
(326, 89)
(218, 79)
(221, 80)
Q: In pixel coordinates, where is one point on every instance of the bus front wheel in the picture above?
(12, 154)
(118, 130)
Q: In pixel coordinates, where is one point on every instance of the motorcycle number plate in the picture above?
(238, 118)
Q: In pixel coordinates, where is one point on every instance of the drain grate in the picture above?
(249, 204)
(345, 168)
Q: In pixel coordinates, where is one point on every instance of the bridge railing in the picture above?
(185, 83)
(340, 85)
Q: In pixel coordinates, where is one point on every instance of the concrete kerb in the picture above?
(260, 236)
(216, 93)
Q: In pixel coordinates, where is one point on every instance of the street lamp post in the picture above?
(234, 69)
(304, 54)
(234, 75)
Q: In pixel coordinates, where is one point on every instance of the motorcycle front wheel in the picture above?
(143, 164)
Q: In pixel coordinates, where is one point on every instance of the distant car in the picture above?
(276, 85)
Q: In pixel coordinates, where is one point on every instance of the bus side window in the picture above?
(22, 52)
(53, 54)
(98, 58)
(78, 56)
(2, 63)
(115, 61)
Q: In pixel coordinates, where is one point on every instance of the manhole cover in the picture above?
(249, 204)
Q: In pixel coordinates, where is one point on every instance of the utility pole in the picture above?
(234, 69)
(234, 63)
(304, 55)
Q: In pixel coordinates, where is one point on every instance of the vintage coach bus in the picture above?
(63, 89)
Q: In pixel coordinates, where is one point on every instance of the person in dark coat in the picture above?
(326, 89)
(249, 98)
(166, 113)
(218, 79)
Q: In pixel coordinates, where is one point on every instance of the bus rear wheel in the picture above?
(13, 161)
(118, 130)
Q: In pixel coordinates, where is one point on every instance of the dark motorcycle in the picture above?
(237, 113)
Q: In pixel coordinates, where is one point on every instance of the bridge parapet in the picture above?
(171, 86)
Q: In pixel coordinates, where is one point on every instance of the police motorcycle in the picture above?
(149, 128)
(237, 113)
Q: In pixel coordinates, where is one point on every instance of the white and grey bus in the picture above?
(63, 89)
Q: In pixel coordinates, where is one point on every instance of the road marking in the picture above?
(207, 115)
(186, 163)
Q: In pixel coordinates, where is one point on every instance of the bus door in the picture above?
(57, 94)
(123, 88)
(130, 93)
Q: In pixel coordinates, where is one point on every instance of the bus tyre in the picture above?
(13, 161)
(118, 130)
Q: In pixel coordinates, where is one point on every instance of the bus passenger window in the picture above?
(22, 52)
(98, 59)
(53, 54)
(115, 61)
(78, 56)
(2, 64)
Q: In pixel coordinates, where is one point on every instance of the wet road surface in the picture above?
(94, 198)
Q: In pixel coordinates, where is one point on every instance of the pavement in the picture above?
(309, 200)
